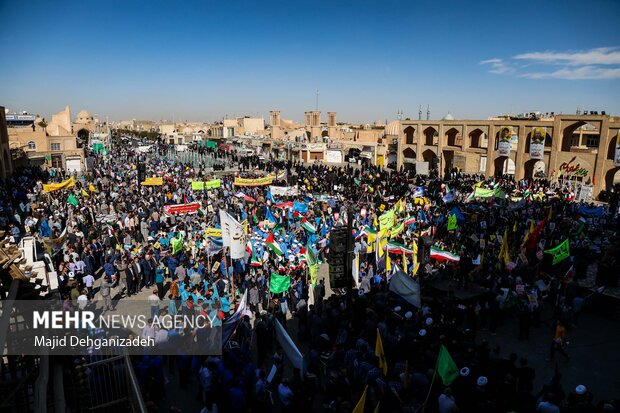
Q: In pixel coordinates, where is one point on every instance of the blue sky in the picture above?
(206, 59)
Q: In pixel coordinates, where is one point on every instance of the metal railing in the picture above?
(107, 384)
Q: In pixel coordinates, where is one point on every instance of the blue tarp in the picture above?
(591, 212)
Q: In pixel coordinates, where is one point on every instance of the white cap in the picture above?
(422, 333)
(464, 372)
(429, 321)
(581, 389)
(482, 381)
(397, 308)
(71, 275)
(408, 315)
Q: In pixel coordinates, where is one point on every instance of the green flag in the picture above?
(279, 283)
(177, 244)
(560, 253)
(72, 200)
(446, 368)
(452, 225)
(386, 221)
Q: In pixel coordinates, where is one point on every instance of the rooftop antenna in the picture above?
(317, 100)
(428, 112)
(420, 112)
(399, 114)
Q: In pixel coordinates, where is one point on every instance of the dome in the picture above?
(392, 128)
(448, 117)
(84, 117)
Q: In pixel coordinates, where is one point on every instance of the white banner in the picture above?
(232, 235)
(289, 348)
(284, 190)
(504, 145)
(537, 143)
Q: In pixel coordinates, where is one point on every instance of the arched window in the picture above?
(32, 145)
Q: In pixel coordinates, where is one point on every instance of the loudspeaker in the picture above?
(424, 249)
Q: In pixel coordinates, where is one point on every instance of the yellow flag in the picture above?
(359, 407)
(388, 262)
(372, 243)
(504, 258)
(416, 264)
(92, 188)
(84, 193)
(405, 265)
(375, 223)
(379, 353)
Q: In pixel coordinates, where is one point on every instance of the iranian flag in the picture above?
(398, 248)
(255, 261)
(249, 248)
(308, 226)
(439, 254)
(271, 243)
(409, 221)
(426, 232)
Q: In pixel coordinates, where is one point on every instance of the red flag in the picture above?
(248, 198)
(533, 239)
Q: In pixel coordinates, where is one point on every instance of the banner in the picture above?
(289, 348)
(284, 190)
(181, 208)
(537, 143)
(200, 186)
(407, 288)
(560, 252)
(617, 153)
(386, 221)
(266, 180)
(504, 145)
(153, 181)
(232, 235)
(55, 187)
(213, 232)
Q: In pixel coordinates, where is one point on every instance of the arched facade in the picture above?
(577, 147)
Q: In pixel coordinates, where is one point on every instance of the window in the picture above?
(592, 141)
(32, 146)
(55, 146)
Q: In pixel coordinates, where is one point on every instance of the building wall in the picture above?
(6, 168)
(464, 143)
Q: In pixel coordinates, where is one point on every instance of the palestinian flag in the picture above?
(271, 243)
(398, 248)
(279, 226)
(440, 254)
(308, 226)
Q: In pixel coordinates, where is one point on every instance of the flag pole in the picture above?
(430, 389)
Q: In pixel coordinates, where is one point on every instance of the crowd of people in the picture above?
(111, 236)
